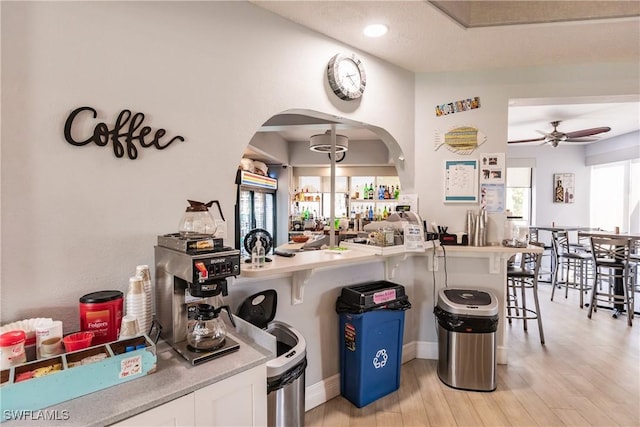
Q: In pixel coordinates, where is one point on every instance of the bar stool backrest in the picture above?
(532, 261)
(533, 234)
(610, 251)
(560, 242)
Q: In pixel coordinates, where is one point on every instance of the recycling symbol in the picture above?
(381, 359)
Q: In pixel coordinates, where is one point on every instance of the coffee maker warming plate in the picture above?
(196, 358)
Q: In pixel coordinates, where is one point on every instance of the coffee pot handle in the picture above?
(226, 307)
(219, 208)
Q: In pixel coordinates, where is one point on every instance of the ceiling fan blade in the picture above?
(526, 140)
(587, 132)
(581, 139)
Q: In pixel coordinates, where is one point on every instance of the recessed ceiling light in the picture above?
(375, 30)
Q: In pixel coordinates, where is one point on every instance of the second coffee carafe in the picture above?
(207, 332)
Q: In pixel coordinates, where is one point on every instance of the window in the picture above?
(615, 196)
(519, 192)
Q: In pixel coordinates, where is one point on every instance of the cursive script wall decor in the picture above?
(126, 130)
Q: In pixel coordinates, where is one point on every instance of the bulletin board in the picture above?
(461, 181)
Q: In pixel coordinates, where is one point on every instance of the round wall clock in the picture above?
(346, 76)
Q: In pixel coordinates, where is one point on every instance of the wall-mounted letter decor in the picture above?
(127, 126)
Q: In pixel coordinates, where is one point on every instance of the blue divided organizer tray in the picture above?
(125, 361)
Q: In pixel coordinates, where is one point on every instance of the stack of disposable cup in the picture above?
(135, 301)
(143, 272)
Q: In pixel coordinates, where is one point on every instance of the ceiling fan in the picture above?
(555, 137)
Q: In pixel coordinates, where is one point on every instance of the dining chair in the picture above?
(572, 268)
(534, 237)
(611, 258)
(520, 280)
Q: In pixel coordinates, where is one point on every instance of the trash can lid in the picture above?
(259, 309)
(473, 302)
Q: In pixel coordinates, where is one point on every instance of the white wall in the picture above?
(550, 160)
(77, 219)
(495, 88)
(623, 147)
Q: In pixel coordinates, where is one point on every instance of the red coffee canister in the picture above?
(101, 313)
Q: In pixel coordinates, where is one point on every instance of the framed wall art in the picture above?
(563, 187)
(461, 181)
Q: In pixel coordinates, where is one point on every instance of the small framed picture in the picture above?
(563, 188)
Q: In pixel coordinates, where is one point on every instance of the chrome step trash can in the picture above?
(371, 338)
(467, 325)
(285, 373)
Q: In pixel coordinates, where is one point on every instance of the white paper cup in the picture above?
(129, 327)
(51, 347)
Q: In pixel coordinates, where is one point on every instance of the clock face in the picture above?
(346, 76)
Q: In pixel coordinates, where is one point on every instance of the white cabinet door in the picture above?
(240, 400)
(179, 412)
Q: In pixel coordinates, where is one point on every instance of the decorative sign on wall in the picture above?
(460, 139)
(458, 106)
(563, 187)
(126, 131)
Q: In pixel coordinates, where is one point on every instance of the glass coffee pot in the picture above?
(208, 332)
(197, 220)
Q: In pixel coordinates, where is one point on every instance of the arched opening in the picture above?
(281, 149)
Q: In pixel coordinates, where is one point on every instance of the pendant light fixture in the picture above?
(321, 143)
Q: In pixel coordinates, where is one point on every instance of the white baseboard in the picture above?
(320, 392)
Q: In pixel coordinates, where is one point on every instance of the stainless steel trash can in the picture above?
(285, 378)
(467, 325)
(285, 373)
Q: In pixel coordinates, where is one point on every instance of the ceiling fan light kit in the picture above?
(555, 137)
(321, 143)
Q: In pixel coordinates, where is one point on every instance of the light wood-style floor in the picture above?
(588, 373)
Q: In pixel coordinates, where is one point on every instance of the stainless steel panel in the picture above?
(286, 405)
(467, 360)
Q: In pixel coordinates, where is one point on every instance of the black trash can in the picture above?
(467, 325)
(371, 332)
(285, 373)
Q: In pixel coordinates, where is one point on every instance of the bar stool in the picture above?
(611, 264)
(572, 267)
(548, 252)
(519, 280)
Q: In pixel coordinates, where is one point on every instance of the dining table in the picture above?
(618, 283)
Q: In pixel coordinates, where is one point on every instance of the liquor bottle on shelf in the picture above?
(396, 194)
(370, 213)
(371, 191)
(386, 193)
(385, 213)
(357, 195)
(365, 192)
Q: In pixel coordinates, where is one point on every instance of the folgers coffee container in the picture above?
(101, 313)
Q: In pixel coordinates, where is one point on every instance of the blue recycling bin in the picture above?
(371, 331)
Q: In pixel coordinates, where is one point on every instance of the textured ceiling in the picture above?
(422, 38)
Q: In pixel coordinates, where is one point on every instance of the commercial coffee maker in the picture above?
(190, 271)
